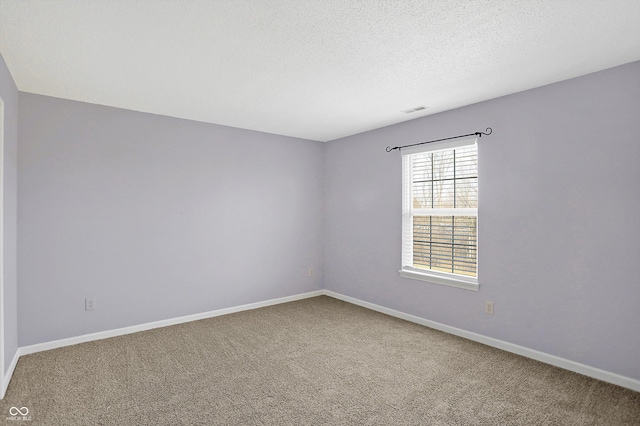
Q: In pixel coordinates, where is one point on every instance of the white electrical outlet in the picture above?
(310, 272)
(89, 304)
(488, 307)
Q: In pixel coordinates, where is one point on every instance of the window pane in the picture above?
(465, 245)
(467, 193)
(442, 165)
(443, 194)
(467, 162)
(422, 179)
(445, 243)
(422, 167)
(422, 195)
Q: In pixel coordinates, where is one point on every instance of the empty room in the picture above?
(331, 212)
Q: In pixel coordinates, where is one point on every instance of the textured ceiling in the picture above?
(312, 69)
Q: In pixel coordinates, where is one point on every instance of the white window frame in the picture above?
(408, 212)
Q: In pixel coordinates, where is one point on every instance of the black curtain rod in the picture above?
(487, 132)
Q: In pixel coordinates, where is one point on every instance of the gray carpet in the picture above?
(317, 361)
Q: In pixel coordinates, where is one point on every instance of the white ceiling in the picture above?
(315, 69)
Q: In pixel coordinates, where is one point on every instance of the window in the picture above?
(440, 213)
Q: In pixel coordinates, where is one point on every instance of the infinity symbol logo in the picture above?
(14, 411)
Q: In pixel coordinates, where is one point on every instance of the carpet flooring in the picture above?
(317, 361)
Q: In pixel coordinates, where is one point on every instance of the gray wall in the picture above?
(9, 94)
(558, 220)
(156, 217)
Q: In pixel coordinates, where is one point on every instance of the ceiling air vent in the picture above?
(416, 109)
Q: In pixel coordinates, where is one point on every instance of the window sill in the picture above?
(467, 283)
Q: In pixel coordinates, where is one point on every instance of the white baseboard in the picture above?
(576, 367)
(9, 373)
